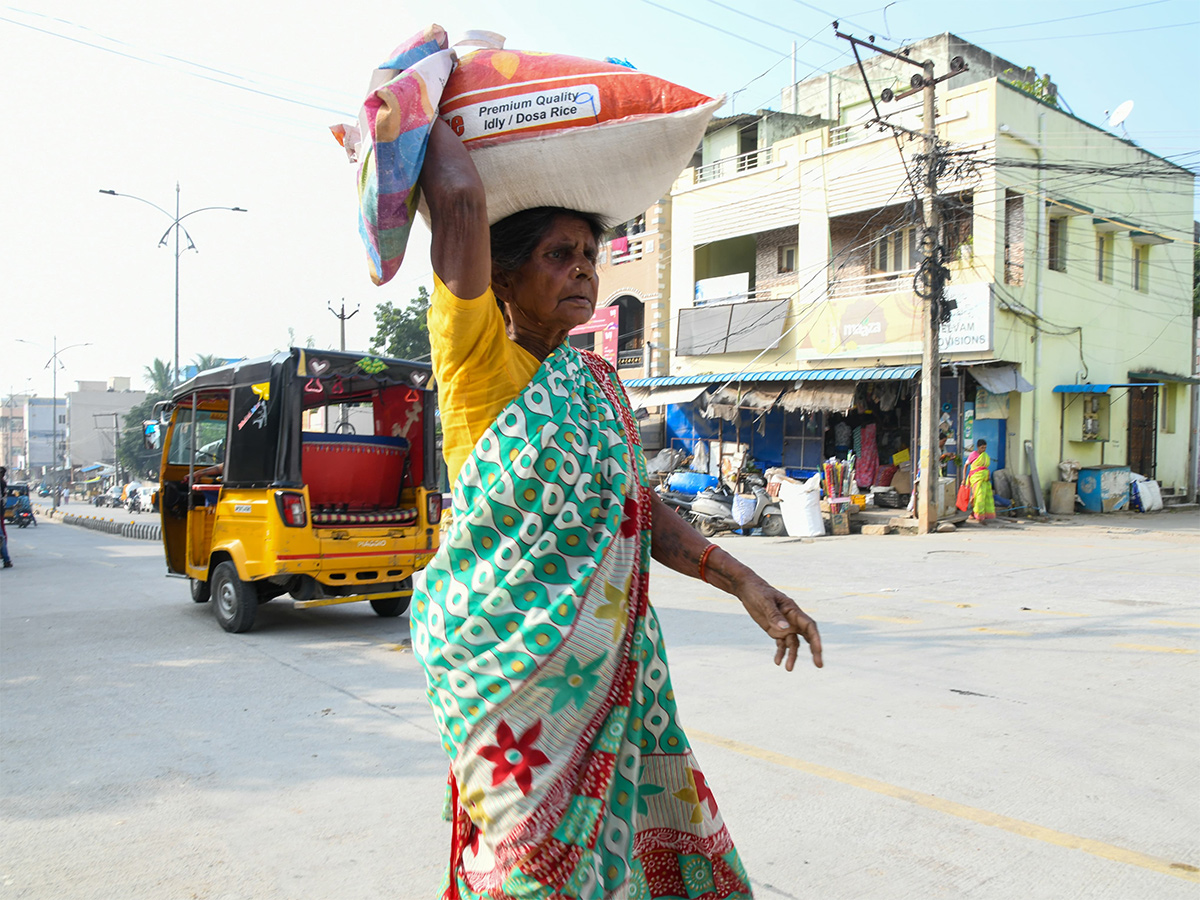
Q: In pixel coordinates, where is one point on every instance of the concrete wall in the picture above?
(90, 420)
(39, 428)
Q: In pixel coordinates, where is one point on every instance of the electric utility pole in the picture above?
(342, 316)
(931, 276)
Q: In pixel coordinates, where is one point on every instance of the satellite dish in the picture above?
(1120, 114)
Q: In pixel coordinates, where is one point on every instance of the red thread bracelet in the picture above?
(704, 559)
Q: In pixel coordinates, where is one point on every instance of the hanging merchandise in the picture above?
(867, 468)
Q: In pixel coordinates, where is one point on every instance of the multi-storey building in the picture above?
(95, 418)
(12, 433)
(784, 314)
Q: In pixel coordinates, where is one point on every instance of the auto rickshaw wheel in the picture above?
(390, 607)
(201, 590)
(234, 601)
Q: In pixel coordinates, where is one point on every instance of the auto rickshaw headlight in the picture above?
(291, 509)
(433, 508)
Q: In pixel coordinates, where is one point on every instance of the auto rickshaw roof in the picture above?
(306, 362)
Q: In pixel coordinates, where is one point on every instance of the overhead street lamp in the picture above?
(54, 363)
(177, 227)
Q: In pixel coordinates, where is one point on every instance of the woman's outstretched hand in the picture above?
(778, 615)
(676, 544)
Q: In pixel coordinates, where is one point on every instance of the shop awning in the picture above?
(92, 468)
(725, 402)
(1165, 376)
(662, 396)
(879, 373)
(1098, 388)
(1000, 379)
(826, 398)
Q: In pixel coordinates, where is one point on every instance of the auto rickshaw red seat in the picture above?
(352, 473)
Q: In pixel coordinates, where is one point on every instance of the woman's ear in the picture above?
(501, 282)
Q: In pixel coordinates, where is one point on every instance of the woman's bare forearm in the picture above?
(677, 545)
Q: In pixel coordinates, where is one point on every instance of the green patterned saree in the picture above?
(569, 774)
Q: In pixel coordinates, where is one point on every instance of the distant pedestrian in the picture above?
(4, 531)
(979, 480)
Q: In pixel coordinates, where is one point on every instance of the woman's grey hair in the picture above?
(515, 237)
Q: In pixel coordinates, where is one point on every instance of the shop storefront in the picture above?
(798, 420)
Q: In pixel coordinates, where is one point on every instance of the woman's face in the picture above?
(555, 289)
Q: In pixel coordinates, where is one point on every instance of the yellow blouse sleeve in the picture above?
(479, 370)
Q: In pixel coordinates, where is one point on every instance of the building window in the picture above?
(787, 259)
(1104, 258)
(1141, 268)
(62, 419)
(1058, 244)
(895, 250)
(1014, 238)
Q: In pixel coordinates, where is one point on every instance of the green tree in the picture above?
(158, 376)
(131, 451)
(1032, 84)
(402, 332)
(205, 361)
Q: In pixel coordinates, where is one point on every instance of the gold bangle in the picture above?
(704, 559)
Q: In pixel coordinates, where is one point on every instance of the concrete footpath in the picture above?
(1006, 712)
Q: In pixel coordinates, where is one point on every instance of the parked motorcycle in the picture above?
(681, 488)
(720, 509)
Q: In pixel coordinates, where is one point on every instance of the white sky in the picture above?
(220, 96)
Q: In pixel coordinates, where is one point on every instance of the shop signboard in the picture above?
(723, 289)
(884, 325)
(605, 322)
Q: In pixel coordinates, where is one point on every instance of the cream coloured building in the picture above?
(790, 254)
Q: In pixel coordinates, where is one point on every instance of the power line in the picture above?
(1099, 12)
(1062, 37)
(270, 94)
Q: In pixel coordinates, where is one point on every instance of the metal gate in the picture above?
(1143, 417)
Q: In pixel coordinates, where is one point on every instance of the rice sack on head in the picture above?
(542, 129)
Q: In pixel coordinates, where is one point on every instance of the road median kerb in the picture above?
(142, 531)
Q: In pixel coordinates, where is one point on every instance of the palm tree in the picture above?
(204, 362)
(158, 376)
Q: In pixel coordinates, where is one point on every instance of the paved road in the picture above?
(1004, 713)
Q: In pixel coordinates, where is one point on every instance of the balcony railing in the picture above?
(734, 165)
(744, 296)
(875, 283)
(630, 358)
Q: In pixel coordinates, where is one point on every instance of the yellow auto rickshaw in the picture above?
(308, 473)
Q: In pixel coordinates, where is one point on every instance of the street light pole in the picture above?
(191, 245)
(54, 362)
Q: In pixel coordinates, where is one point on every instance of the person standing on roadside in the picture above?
(4, 530)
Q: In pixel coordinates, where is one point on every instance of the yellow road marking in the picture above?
(960, 810)
(1003, 631)
(1176, 624)
(1150, 648)
(101, 562)
(1052, 612)
(899, 620)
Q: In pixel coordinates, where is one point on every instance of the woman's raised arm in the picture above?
(461, 250)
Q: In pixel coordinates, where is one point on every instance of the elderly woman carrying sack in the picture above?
(569, 775)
